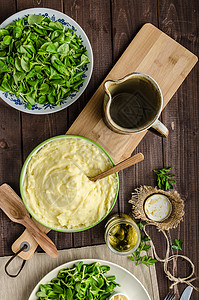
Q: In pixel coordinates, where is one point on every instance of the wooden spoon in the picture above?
(121, 166)
(14, 208)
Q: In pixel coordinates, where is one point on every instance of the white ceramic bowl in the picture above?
(54, 15)
(129, 284)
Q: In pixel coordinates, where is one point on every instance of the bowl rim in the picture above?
(68, 19)
(23, 173)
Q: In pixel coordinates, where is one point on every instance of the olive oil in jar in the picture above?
(122, 234)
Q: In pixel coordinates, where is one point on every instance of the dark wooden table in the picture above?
(110, 26)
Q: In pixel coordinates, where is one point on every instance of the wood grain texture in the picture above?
(55, 4)
(10, 151)
(7, 8)
(181, 21)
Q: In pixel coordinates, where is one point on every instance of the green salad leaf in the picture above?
(40, 60)
(81, 281)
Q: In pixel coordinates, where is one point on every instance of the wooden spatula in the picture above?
(14, 208)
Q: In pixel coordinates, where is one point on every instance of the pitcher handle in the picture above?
(159, 129)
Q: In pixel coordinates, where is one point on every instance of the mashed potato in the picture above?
(57, 190)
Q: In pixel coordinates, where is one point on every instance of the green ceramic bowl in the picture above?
(23, 174)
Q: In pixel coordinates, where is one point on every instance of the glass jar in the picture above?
(122, 234)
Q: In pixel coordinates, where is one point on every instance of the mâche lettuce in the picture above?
(40, 60)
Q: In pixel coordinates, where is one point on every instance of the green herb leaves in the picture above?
(136, 255)
(81, 281)
(40, 53)
(178, 244)
(164, 179)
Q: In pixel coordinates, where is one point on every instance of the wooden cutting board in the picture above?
(152, 52)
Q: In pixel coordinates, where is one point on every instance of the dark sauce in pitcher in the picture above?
(134, 103)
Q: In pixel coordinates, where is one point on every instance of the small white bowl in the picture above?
(118, 294)
(53, 15)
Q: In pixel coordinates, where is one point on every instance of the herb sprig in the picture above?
(177, 244)
(82, 281)
(144, 246)
(164, 179)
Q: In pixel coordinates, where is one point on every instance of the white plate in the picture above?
(54, 15)
(129, 284)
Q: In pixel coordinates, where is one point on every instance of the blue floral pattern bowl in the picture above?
(48, 108)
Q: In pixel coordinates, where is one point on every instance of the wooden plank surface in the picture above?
(180, 21)
(110, 26)
(10, 150)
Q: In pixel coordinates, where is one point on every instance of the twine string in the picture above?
(188, 280)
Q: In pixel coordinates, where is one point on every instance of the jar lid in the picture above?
(157, 207)
(171, 207)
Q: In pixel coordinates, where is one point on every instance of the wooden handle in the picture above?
(122, 165)
(159, 129)
(41, 238)
(26, 237)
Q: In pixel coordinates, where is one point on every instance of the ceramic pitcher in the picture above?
(133, 104)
